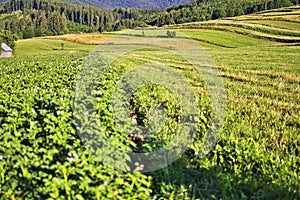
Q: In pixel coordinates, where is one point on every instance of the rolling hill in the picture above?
(272, 27)
(42, 156)
(107, 4)
(130, 3)
(53, 17)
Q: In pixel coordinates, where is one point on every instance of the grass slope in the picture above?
(267, 28)
(49, 46)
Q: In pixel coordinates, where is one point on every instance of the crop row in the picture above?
(42, 156)
(241, 31)
(257, 27)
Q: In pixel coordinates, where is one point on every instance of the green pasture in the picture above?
(256, 155)
(48, 46)
(277, 24)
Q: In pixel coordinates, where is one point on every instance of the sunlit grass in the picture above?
(48, 46)
(257, 154)
(92, 39)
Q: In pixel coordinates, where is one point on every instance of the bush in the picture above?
(8, 38)
(28, 33)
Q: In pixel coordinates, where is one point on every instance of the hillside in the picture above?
(272, 27)
(130, 3)
(43, 154)
(34, 18)
(27, 18)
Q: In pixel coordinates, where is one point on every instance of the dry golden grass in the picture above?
(92, 39)
(169, 43)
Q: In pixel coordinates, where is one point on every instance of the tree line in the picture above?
(202, 10)
(131, 3)
(30, 18)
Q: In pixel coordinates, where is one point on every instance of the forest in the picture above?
(130, 3)
(208, 9)
(43, 17)
(34, 18)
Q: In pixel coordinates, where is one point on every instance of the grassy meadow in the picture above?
(256, 155)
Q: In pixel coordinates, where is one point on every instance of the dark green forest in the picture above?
(210, 9)
(108, 4)
(34, 18)
(48, 17)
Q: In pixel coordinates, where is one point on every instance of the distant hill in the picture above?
(34, 18)
(203, 10)
(109, 4)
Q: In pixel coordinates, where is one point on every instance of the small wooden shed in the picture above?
(6, 50)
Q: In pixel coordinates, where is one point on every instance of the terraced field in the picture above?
(256, 155)
(272, 26)
(49, 46)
